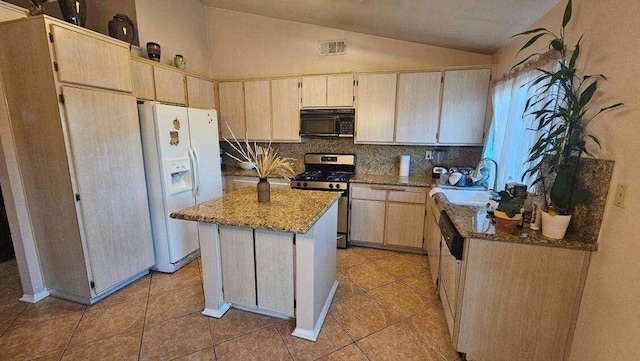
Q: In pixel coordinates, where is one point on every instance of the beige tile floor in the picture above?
(385, 308)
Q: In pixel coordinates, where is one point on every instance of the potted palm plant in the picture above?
(508, 213)
(562, 108)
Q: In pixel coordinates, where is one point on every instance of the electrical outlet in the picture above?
(620, 199)
(428, 155)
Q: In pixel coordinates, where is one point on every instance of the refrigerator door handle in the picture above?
(194, 178)
(197, 164)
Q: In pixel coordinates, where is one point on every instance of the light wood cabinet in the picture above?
(233, 183)
(200, 93)
(88, 59)
(238, 276)
(231, 96)
(464, 106)
(285, 107)
(170, 87)
(327, 91)
(367, 221)
(387, 215)
(375, 116)
(80, 156)
(433, 238)
(418, 109)
(143, 86)
(257, 105)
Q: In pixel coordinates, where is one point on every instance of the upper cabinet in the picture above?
(430, 108)
(231, 96)
(169, 86)
(257, 105)
(88, 60)
(327, 91)
(143, 86)
(375, 114)
(418, 107)
(464, 106)
(200, 93)
(285, 108)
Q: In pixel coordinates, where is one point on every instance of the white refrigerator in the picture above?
(182, 165)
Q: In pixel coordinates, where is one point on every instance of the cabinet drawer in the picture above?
(364, 192)
(407, 197)
(88, 60)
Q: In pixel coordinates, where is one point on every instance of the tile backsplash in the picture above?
(376, 159)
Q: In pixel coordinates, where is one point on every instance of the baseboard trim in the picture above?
(35, 297)
(312, 335)
(219, 312)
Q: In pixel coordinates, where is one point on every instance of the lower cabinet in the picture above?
(263, 278)
(432, 239)
(232, 183)
(387, 215)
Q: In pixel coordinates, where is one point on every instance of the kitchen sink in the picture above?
(465, 196)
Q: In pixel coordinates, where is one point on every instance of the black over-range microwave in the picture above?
(327, 122)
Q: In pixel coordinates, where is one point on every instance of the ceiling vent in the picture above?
(334, 47)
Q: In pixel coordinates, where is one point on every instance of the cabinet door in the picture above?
(231, 110)
(89, 60)
(405, 224)
(243, 183)
(418, 108)
(376, 108)
(238, 267)
(464, 106)
(169, 86)
(340, 90)
(274, 271)
(257, 105)
(143, 87)
(201, 93)
(285, 106)
(104, 136)
(314, 91)
(367, 221)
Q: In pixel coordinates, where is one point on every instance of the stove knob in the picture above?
(298, 184)
(304, 184)
(330, 185)
(337, 186)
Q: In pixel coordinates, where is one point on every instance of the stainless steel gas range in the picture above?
(329, 172)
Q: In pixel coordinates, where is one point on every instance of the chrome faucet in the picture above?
(495, 176)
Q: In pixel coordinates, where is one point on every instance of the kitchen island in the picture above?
(276, 258)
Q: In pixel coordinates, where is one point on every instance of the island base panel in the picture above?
(215, 306)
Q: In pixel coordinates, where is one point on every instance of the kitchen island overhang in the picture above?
(276, 258)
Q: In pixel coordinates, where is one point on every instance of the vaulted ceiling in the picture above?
(481, 26)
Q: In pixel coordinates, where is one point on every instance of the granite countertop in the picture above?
(473, 222)
(290, 210)
(393, 180)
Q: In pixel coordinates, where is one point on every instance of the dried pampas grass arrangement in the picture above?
(268, 164)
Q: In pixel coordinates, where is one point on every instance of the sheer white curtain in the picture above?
(510, 137)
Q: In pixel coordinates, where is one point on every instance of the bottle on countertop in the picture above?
(536, 213)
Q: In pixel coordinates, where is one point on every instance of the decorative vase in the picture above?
(506, 224)
(555, 226)
(264, 190)
(74, 11)
(122, 28)
(180, 62)
(153, 50)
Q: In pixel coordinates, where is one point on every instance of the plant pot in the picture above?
(264, 191)
(505, 223)
(555, 226)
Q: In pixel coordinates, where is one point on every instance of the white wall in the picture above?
(250, 46)
(180, 27)
(608, 325)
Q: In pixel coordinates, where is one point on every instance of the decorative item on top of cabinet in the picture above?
(418, 108)
(327, 91)
(143, 87)
(122, 28)
(231, 95)
(154, 51)
(170, 87)
(200, 93)
(285, 108)
(464, 106)
(180, 62)
(375, 115)
(74, 11)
